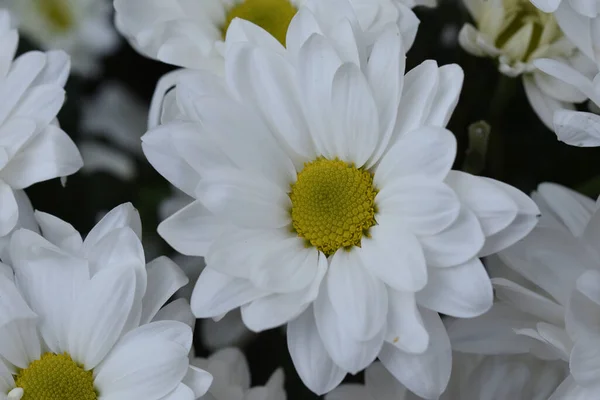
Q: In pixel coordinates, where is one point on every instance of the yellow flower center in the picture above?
(57, 13)
(333, 204)
(274, 16)
(56, 377)
(524, 30)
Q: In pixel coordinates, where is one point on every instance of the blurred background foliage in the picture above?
(520, 151)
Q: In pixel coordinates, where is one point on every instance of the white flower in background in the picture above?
(548, 291)
(331, 159)
(82, 28)
(85, 319)
(191, 34)
(119, 117)
(33, 148)
(231, 378)
(515, 33)
(473, 378)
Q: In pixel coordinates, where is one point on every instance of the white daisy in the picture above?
(191, 34)
(331, 159)
(33, 148)
(231, 378)
(473, 378)
(82, 28)
(548, 290)
(117, 115)
(85, 319)
(516, 34)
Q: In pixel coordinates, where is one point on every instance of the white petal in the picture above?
(7, 382)
(420, 88)
(177, 310)
(191, 230)
(198, 380)
(382, 384)
(316, 369)
(59, 232)
(160, 150)
(245, 139)
(216, 293)
(100, 315)
(427, 151)
(585, 361)
(385, 73)
(51, 154)
(451, 78)
(583, 316)
(495, 209)
(528, 301)
(492, 333)
(424, 206)
(295, 273)
(348, 353)
(543, 105)
(245, 199)
(455, 245)
(585, 7)
(577, 128)
(405, 328)
(164, 279)
(463, 291)
(18, 330)
(149, 367)
(354, 113)
(357, 296)
(573, 209)
(570, 390)
(547, 6)
(51, 281)
(9, 212)
(317, 64)
(274, 94)
(425, 374)
(124, 215)
(277, 309)
(394, 255)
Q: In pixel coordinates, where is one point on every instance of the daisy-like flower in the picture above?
(191, 34)
(32, 146)
(324, 199)
(548, 294)
(516, 33)
(473, 377)
(85, 319)
(82, 28)
(231, 378)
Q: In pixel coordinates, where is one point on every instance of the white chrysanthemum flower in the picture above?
(473, 378)
(33, 148)
(191, 34)
(85, 319)
(516, 34)
(231, 378)
(117, 115)
(82, 28)
(548, 290)
(325, 180)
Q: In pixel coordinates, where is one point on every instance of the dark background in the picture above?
(521, 151)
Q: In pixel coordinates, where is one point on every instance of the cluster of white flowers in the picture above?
(314, 190)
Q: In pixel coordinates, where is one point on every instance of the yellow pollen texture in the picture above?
(58, 13)
(274, 16)
(56, 377)
(333, 204)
